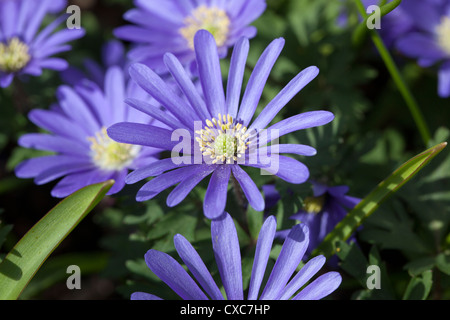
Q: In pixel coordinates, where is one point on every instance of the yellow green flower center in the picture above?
(108, 154)
(313, 204)
(223, 140)
(443, 34)
(213, 19)
(14, 55)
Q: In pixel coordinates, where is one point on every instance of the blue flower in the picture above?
(81, 151)
(23, 49)
(282, 284)
(429, 42)
(170, 26)
(323, 211)
(216, 131)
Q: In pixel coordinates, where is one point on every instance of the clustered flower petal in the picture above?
(26, 50)
(216, 130)
(81, 153)
(282, 284)
(170, 26)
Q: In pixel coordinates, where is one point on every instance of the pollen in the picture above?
(313, 204)
(443, 34)
(223, 139)
(212, 19)
(108, 154)
(14, 55)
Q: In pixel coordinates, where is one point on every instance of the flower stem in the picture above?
(398, 79)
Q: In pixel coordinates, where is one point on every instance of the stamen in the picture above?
(313, 204)
(223, 140)
(443, 34)
(213, 19)
(14, 55)
(108, 154)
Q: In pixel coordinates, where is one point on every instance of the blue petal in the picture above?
(258, 80)
(197, 267)
(249, 188)
(263, 248)
(209, 71)
(444, 80)
(115, 94)
(153, 169)
(299, 122)
(288, 169)
(75, 108)
(302, 277)
(283, 97)
(180, 192)
(174, 275)
(142, 134)
(143, 296)
(163, 93)
(41, 141)
(236, 75)
(321, 287)
(216, 193)
(164, 181)
(292, 251)
(228, 256)
(186, 85)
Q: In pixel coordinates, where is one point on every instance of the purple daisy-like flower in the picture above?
(82, 152)
(429, 42)
(216, 132)
(323, 211)
(24, 50)
(170, 26)
(281, 284)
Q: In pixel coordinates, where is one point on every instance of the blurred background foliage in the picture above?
(373, 133)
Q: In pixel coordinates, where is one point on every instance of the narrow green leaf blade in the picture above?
(27, 256)
(371, 202)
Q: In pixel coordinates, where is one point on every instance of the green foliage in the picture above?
(26, 257)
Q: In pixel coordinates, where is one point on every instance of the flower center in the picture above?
(443, 33)
(313, 204)
(13, 55)
(108, 154)
(223, 140)
(212, 19)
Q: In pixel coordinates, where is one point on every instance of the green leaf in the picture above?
(371, 202)
(419, 287)
(443, 262)
(255, 221)
(55, 270)
(27, 256)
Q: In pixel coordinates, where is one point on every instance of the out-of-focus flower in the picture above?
(170, 26)
(393, 25)
(24, 50)
(323, 211)
(281, 284)
(429, 42)
(82, 152)
(216, 132)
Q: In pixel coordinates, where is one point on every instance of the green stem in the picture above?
(398, 79)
